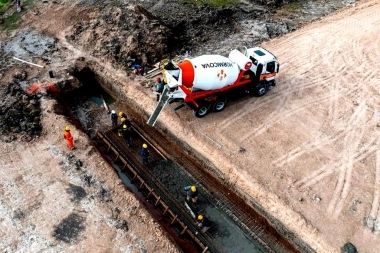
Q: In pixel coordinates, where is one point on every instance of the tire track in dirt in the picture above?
(374, 213)
(283, 113)
(321, 141)
(351, 145)
(353, 153)
(258, 104)
(328, 169)
(333, 114)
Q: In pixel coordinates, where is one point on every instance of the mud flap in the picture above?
(160, 106)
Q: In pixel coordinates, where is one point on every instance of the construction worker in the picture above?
(113, 117)
(204, 223)
(144, 152)
(127, 135)
(191, 193)
(69, 138)
(159, 86)
(123, 117)
(18, 5)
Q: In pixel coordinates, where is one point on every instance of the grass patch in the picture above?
(212, 3)
(294, 6)
(4, 4)
(10, 23)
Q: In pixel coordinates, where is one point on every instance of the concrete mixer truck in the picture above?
(206, 83)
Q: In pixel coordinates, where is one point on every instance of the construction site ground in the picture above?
(307, 152)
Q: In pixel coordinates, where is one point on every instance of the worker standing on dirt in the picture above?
(113, 117)
(127, 135)
(18, 5)
(69, 138)
(159, 86)
(191, 193)
(144, 152)
(204, 223)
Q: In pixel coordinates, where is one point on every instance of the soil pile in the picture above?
(150, 32)
(19, 112)
(121, 35)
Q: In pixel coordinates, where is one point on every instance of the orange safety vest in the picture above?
(69, 139)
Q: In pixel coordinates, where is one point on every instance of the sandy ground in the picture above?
(311, 150)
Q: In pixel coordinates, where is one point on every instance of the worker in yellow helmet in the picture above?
(203, 222)
(126, 134)
(69, 138)
(122, 116)
(191, 193)
(144, 152)
(124, 119)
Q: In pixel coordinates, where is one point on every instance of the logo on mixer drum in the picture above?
(222, 74)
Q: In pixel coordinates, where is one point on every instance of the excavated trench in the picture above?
(238, 223)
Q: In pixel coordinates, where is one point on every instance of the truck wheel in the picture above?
(261, 89)
(219, 105)
(201, 111)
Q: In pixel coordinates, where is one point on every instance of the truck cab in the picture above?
(264, 64)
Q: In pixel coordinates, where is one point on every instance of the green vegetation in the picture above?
(213, 3)
(10, 23)
(4, 4)
(293, 6)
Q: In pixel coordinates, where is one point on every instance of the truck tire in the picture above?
(219, 105)
(261, 89)
(201, 111)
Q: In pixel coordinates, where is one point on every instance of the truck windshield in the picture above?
(271, 66)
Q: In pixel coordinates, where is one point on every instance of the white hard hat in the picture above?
(113, 111)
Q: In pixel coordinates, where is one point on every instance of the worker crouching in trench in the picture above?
(191, 193)
(204, 223)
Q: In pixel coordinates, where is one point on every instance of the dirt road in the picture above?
(312, 143)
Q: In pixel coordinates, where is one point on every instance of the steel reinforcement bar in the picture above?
(163, 202)
(235, 205)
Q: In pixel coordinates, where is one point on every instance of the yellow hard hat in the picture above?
(67, 128)
(122, 119)
(145, 146)
(120, 114)
(125, 126)
(200, 217)
(193, 188)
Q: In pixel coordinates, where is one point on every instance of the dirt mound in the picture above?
(150, 34)
(19, 111)
(121, 35)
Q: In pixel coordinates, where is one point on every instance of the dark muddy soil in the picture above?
(19, 111)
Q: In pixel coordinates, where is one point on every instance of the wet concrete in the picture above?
(229, 237)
